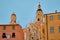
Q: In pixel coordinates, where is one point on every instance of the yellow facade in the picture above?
(55, 23)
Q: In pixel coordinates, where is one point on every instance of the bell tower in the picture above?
(39, 14)
(13, 18)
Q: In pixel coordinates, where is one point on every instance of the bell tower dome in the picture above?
(13, 18)
(39, 14)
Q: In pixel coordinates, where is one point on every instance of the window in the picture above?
(59, 17)
(38, 14)
(37, 39)
(59, 39)
(4, 27)
(3, 35)
(43, 30)
(59, 28)
(52, 39)
(29, 29)
(51, 29)
(32, 37)
(13, 35)
(38, 19)
(13, 27)
(51, 17)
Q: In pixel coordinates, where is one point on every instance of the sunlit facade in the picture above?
(47, 24)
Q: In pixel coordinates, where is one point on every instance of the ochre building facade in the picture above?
(52, 26)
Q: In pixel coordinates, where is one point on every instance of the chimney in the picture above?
(55, 11)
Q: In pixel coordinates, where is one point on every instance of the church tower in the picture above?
(13, 19)
(39, 19)
(39, 14)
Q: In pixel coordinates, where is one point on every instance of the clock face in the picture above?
(8, 36)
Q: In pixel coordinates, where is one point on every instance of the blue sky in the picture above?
(25, 10)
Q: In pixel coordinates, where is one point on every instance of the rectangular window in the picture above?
(4, 27)
(51, 17)
(13, 27)
(43, 30)
(59, 17)
(51, 29)
(52, 39)
(59, 28)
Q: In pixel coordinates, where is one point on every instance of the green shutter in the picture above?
(4, 27)
(59, 17)
(13, 27)
(59, 28)
(51, 29)
(51, 17)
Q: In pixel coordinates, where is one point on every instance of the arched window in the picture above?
(3, 35)
(32, 37)
(13, 35)
(38, 19)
